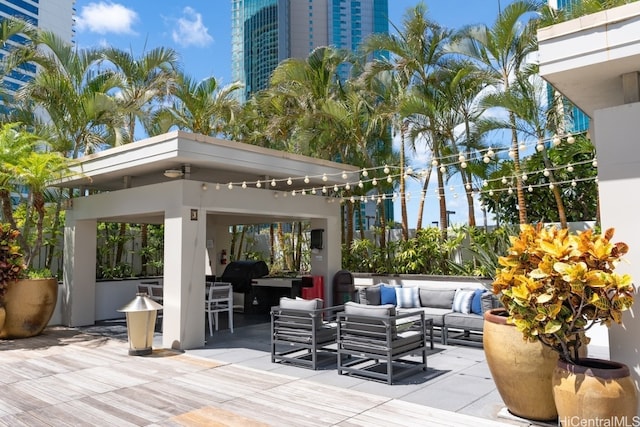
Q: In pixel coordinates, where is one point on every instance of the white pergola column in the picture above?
(327, 261)
(184, 281)
(616, 136)
(79, 272)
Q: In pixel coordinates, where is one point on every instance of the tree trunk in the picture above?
(522, 206)
(403, 200)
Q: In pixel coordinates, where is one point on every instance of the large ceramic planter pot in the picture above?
(521, 370)
(28, 305)
(596, 392)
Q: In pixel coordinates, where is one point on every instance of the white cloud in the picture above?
(190, 30)
(106, 17)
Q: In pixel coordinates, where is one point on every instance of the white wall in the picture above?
(616, 137)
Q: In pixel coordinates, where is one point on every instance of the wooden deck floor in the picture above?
(67, 377)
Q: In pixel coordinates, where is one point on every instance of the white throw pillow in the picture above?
(462, 300)
(407, 298)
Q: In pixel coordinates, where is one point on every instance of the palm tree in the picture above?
(76, 99)
(523, 101)
(203, 106)
(503, 49)
(142, 81)
(25, 172)
(415, 52)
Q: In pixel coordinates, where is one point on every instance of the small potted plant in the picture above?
(556, 285)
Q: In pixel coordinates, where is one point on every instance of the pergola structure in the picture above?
(183, 181)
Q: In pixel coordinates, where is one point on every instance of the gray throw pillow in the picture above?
(300, 304)
(437, 298)
(370, 295)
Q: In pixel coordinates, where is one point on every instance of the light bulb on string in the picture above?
(569, 167)
(539, 147)
(313, 191)
(546, 172)
(374, 182)
(384, 196)
(324, 190)
(551, 186)
(485, 183)
(373, 197)
(490, 152)
(574, 183)
(530, 188)
(524, 177)
(409, 170)
(230, 186)
(360, 184)
(324, 177)
(443, 169)
(244, 184)
(386, 169)
(365, 173)
(293, 193)
(306, 179)
(512, 154)
(522, 146)
(335, 188)
(273, 182)
(363, 199)
(344, 175)
(389, 179)
(463, 165)
(434, 162)
(378, 201)
(468, 186)
(289, 181)
(594, 163)
(352, 199)
(510, 190)
(556, 140)
(461, 157)
(504, 180)
(486, 159)
(303, 192)
(347, 186)
(491, 193)
(258, 184)
(570, 139)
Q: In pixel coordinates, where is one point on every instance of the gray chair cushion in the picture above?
(357, 309)
(300, 304)
(440, 298)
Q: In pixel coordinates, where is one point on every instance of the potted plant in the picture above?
(26, 302)
(555, 285)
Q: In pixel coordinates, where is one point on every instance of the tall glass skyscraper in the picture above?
(264, 32)
(50, 15)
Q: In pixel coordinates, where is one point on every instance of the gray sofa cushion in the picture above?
(437, 298)
(435, 314)
(290, 312)
(464, 321)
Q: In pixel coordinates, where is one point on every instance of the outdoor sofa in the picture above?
(455, 305)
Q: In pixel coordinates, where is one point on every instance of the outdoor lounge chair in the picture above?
(375, 342)
(300, 331)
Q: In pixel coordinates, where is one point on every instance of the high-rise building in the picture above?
(264, 32)
(51, 15)
(577, 121)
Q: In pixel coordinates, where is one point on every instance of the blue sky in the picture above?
(200, 31)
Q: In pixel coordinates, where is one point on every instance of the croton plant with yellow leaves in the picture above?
(556, 284)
